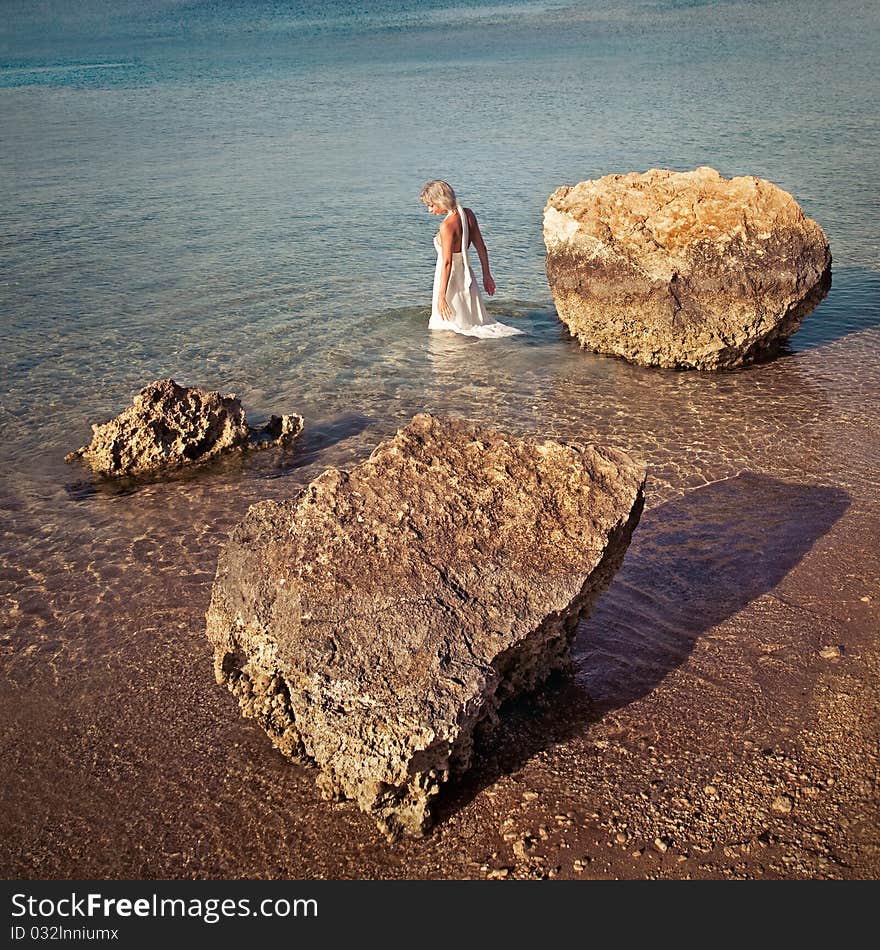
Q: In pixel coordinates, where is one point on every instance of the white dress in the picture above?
(469, 314)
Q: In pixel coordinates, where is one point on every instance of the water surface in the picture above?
(228, 194)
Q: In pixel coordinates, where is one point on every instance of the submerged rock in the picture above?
(170, 425)
(686, 270)
(372, 623)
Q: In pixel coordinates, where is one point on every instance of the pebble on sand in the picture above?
(782, 804)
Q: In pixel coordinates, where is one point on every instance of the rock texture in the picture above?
(170, 425)
(371, 624)
(685, 270)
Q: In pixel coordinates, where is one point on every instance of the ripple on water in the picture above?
(158, 226)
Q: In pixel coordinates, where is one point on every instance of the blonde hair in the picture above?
(439, 193)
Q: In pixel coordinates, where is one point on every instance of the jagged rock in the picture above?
(278, 429)
(685, 270)
(372, 623)
(170, 425)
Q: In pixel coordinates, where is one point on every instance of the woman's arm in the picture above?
(447, 230)
(483, 254)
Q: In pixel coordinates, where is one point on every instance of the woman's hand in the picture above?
(489, 284)
(443, 307)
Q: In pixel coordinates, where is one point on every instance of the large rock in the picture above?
(373, 622)
(682, 269)
(170, 425)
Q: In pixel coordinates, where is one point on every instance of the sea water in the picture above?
(226, 193)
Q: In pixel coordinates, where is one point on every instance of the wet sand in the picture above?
(721, 721)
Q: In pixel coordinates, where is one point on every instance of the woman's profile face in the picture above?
(434, 208)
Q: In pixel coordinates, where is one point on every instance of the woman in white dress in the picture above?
(456, 303)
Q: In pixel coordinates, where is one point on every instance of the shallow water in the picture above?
(227, 194)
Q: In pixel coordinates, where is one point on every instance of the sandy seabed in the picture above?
(721, 722)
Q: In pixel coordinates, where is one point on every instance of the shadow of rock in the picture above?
(317, 437)
(228, 465)
(852, 306)
(692, 563)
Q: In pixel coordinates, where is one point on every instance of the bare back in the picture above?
(453, 223)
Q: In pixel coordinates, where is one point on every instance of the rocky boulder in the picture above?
(374, 622)
(685, 270)
(170, 425)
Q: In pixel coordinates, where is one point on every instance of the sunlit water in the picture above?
(228, 194)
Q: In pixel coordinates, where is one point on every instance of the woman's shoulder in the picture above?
(454, 220)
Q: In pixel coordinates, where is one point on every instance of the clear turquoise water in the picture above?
(227, 193)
